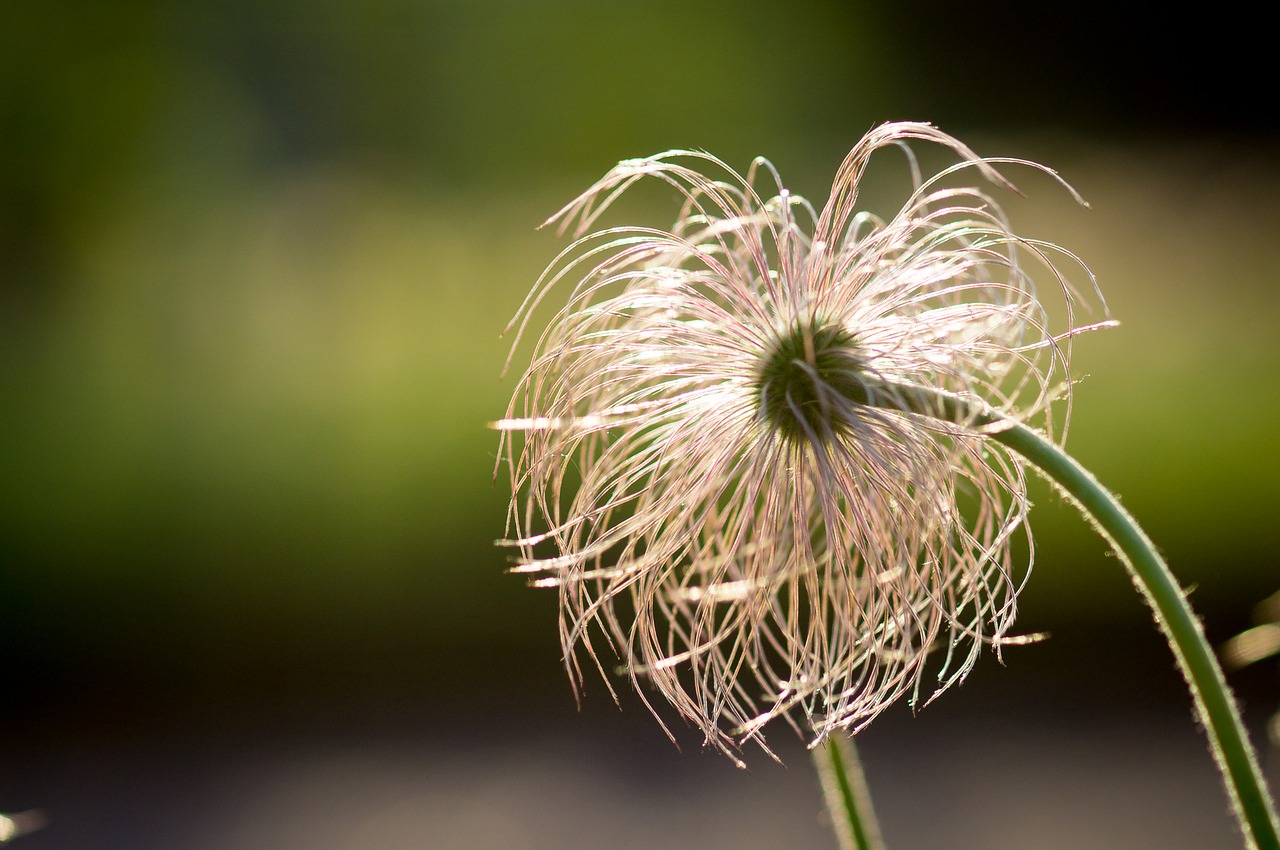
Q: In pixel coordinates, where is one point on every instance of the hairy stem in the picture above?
(1215, 707)
(844, 787)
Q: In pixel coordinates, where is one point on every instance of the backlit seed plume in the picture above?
(691, 468)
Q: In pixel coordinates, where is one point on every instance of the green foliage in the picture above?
(256, 259)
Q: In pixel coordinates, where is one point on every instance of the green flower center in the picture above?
(807, 380)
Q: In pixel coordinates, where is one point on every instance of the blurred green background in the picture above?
(255, 259)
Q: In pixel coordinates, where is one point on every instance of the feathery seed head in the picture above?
(692, 469)
(806, 381)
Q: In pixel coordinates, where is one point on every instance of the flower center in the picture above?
(807, 381)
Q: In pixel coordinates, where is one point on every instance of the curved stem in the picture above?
(1214, 704)
(844, 787)
(1215, 707)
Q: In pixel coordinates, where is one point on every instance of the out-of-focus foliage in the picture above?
(255, 259)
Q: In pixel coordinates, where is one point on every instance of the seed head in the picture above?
(691, 467)
(806, 380)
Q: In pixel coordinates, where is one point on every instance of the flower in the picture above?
(693, 468)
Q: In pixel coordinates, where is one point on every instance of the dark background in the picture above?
(254, 262)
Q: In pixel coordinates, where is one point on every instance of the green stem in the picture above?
(1214, 704)
(844, 786)
(1215, 707)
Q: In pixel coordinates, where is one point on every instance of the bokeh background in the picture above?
(255, 258)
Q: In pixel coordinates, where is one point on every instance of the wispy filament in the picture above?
(690, 468)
